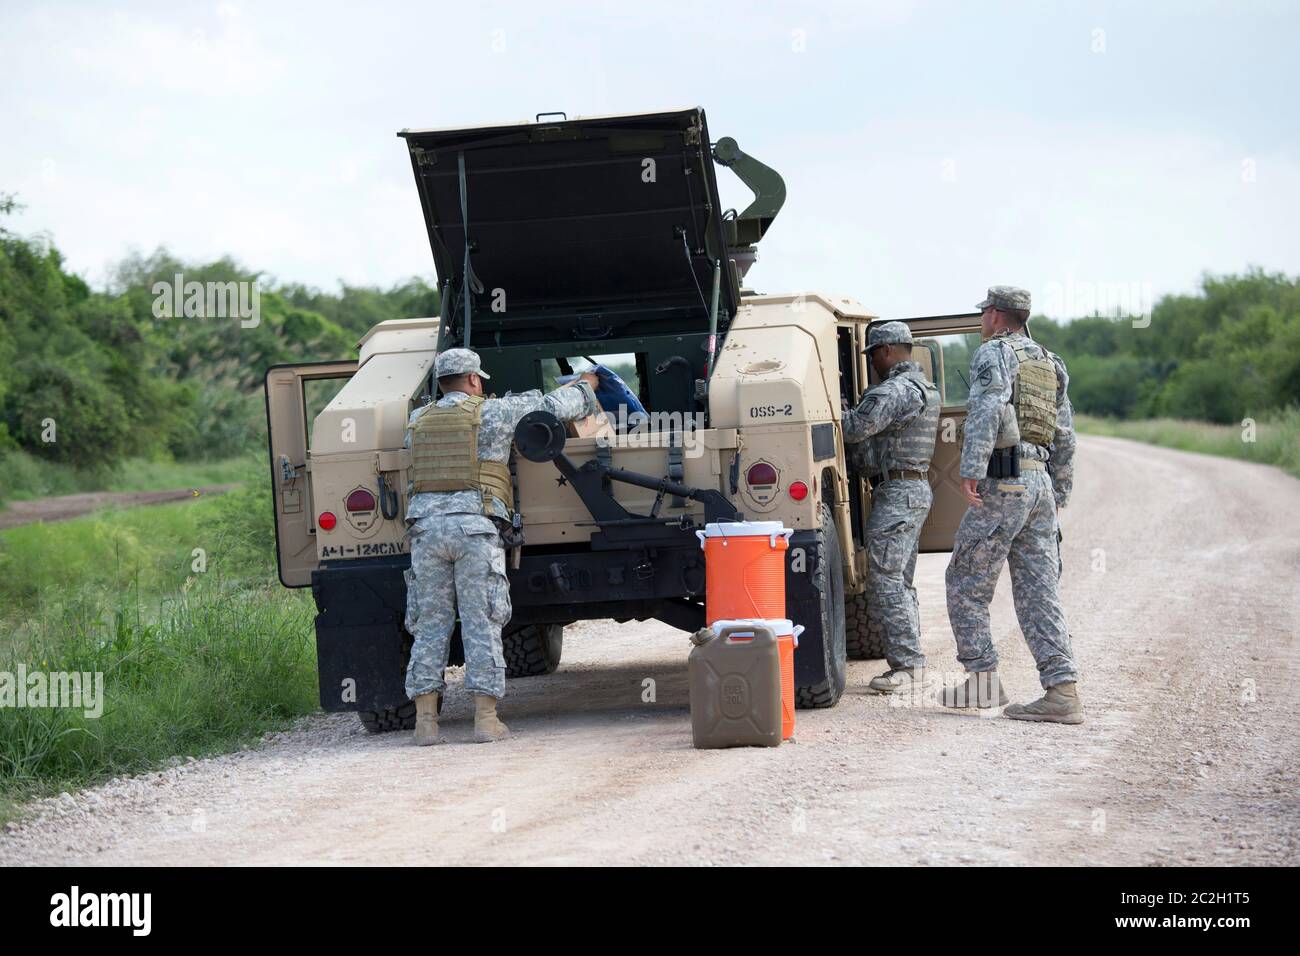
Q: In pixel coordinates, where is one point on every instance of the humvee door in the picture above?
(949, 342)
(294, 395)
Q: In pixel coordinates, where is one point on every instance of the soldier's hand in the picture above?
(970, 488)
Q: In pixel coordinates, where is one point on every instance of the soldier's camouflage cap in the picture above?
(459, 362)
(1005, 297)
(888, 333)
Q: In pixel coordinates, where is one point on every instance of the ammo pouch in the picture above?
(1005, 462)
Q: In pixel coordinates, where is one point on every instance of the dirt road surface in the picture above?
(1181, 589)
(65, 507)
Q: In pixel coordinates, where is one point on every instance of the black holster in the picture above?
(512, 534)
(1005, 462)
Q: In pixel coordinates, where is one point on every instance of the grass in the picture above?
(194, 662)
(208, 671)
(145, 551)
(28, 477)
(1277, 437)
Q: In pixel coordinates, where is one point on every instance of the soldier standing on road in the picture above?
(1016, 470)
(897, 420)
(461, 502)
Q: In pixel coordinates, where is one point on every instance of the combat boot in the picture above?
(1059, 705)
(487, 725)
(426, 720)
(981, 689)
(903, 680)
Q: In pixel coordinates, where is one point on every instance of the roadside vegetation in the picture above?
(194, 661)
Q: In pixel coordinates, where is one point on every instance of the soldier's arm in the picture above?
(893, 403)
(571, 402)
(990, 389)
(1060, 464)
(567, 403)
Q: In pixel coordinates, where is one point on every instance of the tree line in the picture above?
(1228, 352)
(89, 378)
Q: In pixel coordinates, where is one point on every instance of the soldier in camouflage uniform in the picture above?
(896, 422)
(1018, 400)
(461, 500)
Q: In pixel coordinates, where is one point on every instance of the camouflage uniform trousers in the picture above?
(1017, 524)
(898, 509)
(457, 563)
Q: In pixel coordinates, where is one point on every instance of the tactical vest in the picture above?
(444, 456)
(1033, 396)
(911, 447)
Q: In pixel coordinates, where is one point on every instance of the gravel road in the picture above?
(1181, 586)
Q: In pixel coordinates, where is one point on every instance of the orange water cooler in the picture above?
(744, 568)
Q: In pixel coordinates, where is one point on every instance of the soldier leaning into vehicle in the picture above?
(461, 502)
(1016, 464)
(896, 421)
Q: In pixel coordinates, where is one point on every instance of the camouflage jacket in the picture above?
(992, 373)
(897, 420)
(496, 433)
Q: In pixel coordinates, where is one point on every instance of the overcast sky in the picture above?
(929, 149)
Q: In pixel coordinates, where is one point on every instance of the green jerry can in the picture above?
(734, 673)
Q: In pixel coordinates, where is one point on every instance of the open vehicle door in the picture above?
(294, 395)
(949, 341)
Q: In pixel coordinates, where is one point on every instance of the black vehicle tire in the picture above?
(533, 650)
(829, 582)
(864, 637)
(401, 717)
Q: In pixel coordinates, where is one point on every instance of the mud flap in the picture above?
(361, 644)
(361, 667)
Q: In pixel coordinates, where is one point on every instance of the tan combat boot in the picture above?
(981, 689)
(900, 680)
(487, 725)
(1059, 705)
(426, 720)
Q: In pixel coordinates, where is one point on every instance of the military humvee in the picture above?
(600, 239)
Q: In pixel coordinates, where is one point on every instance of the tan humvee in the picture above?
(752, 429)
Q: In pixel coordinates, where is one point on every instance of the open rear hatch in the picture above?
(607, 222)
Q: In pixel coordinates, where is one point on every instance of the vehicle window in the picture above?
(956, 350)
(316, 394)
(623, 365)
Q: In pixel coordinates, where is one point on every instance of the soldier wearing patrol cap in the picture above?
(461, 501)
(895, 423)
(1016, 470)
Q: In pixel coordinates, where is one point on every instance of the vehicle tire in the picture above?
(533, 650)
(401, 717)
(864, 637)
(829, 582)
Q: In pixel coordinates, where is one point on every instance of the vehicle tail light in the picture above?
(798, 490)
(761, 473)
(360, 500)
(327, 521)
